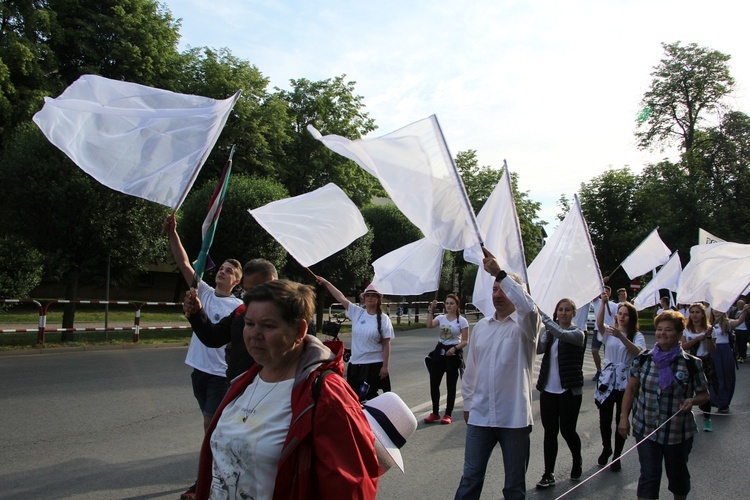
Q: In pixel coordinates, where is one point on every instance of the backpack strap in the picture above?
(317, 387)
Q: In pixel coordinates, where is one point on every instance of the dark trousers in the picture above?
(742, 337)
(560, 415)
(612, 403)
(370, 373)
(448, 365)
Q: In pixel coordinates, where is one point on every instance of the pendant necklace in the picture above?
(250, 411)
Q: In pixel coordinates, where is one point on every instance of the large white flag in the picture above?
(314, 225)
(138, 140)
(668, 278)
(716, 273)
(416, 169)
(651, 253)
(498, 222)
(412, 269)
(566, 267)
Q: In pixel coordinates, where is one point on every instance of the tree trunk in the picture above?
(69, 313)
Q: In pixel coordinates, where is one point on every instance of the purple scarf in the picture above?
(662, 360)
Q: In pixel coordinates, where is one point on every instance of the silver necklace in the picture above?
(249, 411)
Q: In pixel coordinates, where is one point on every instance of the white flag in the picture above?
(498, 222)
(566, 267)
(651, 253)
(138, 140)
(668, 277)
(415, 168)
(412, 269)
(314, 225)
(704, 237)
(717, 273)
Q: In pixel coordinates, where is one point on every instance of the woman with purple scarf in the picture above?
(665, 383)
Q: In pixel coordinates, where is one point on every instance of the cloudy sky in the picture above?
(552, 86)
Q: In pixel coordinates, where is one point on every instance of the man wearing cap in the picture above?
(497, 386)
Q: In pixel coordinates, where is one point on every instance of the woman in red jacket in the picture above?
(271, 437)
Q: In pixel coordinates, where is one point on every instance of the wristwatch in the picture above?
(501, 275)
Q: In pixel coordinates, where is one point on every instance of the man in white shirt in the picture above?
(497, 386)
(209, 365)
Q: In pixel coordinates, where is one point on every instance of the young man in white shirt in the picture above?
(209, 365)
(497, 386)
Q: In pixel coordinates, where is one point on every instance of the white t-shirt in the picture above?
(450, 331)
(702, 349)
(721, 336)
(209, 359)
(366, 346)
(554, 384)
(246, 452)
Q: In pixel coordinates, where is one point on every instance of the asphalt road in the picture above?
(123, 424)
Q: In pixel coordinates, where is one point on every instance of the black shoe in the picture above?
(604, 457)
(576, 471)
(616, 465)
(546, 481)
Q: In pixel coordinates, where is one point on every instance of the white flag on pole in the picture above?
(566, 267)
(668, 278)
(412, 269)
(415, 168)
(314, 225)
(647, 256)
(498, 222)
(138, 140)
(716, 273)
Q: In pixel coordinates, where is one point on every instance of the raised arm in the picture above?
(603, 302)
(178, 251)
(335, 292)
(431, 321)
(734, 322)
(574, 336)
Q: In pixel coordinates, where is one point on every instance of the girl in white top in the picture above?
(447, 357)
(372, 332)
(622, 343)
(698, 340)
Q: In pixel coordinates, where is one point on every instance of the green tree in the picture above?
(481, 181)
(607, 203)
(238, 235)
(390, 227)
(258, 124)
(75, 222)
(22, 268)
(688, 82)
(332, 107)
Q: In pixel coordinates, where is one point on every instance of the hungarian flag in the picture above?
(211, 221)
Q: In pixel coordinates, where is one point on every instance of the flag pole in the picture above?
(204, 157)
(460, 183)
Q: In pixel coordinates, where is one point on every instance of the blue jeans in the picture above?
(480, 441)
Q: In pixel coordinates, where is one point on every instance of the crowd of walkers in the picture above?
(274, 397)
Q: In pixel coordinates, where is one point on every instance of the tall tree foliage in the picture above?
(689, 82)
(332, 107)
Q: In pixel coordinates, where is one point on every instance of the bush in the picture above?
(21, 267)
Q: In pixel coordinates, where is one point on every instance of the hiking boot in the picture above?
(707, 425)
(546, 481)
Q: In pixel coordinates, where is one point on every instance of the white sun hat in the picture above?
(393, 423)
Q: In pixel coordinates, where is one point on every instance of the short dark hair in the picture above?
(294, 300)
(262, 267)
(677, 319)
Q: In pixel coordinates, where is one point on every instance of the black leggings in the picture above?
(440, 365)
(605, 421)
(560, 415)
